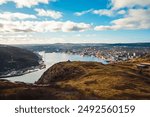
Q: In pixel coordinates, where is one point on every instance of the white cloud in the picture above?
(26, 3)
(30, 40)
(98, 12)
(117, 7)
(118, 4)
(100, 28)
(103, 12)
(6, 36)
(121, 12)
(110, 12)
(49, 13)
(14, 16)
(83, 12)
(2, 1)
(71, 26)
(42, 26)
(135, 19)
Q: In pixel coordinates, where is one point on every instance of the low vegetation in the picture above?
(85, 80)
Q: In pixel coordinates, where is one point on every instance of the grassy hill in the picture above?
(16, 58)
(85, 80)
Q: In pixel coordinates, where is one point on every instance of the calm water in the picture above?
(50, 59)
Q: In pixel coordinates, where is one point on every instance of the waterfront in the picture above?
(50, 59)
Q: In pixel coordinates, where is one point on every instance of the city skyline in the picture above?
(74, 21)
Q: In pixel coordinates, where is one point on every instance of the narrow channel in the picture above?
(50, 59)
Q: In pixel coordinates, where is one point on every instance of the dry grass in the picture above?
(85, 80)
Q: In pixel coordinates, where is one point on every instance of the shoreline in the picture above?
(23, 71)
(32, 69)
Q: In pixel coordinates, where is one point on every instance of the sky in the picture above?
(74, 21)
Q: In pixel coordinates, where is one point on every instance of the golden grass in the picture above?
(85, 80)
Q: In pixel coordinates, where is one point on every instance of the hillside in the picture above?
(85, 80)
(113, 81)
(13, 58)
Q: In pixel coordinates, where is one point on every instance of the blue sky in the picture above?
(74, 21)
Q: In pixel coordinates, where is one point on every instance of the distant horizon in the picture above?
(80, 43)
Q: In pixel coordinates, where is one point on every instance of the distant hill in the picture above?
(66, 46)
(16, 58)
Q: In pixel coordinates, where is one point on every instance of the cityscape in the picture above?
(75, 49)
(108, 52)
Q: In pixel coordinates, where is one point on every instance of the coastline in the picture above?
(42, 65)
(23, 71)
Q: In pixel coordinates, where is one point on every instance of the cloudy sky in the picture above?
(74, 21)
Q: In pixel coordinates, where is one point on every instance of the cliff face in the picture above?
(16, 58)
